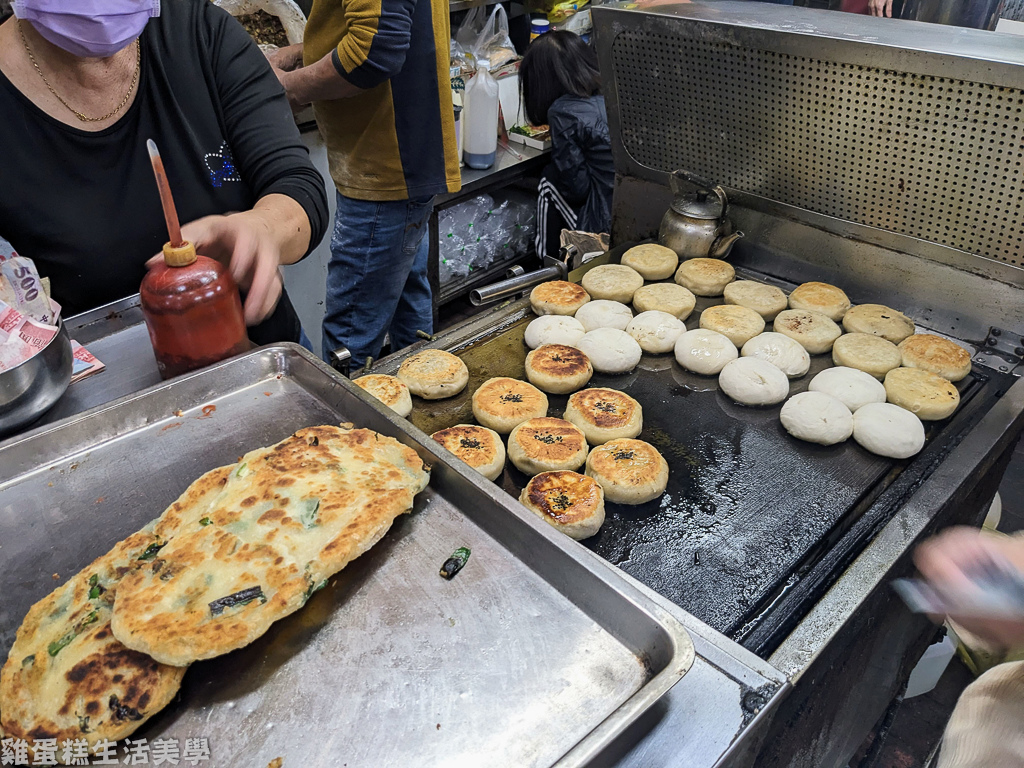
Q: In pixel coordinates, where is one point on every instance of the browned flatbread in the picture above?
(936, 355)
(630, 471)
(820, 297)
(547, 444)
(66, 677)
(558, 297)
(502, 403)
(604, 414)
(558, 369)
(289, 517)
(571, 502)
(479, 447)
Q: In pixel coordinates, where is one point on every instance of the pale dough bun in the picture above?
(604, 414)
(652, 261)
(738, 324)
(705, 277)
(553, 329)
(503, 403)
(604, 313)
(784, 353)
(936, 355)
(433, 374)
(878, 320)
(871, 354)
(928, 395)
(614, 282)
(558, 369)
(479, 447)
(665, 297)
(704, 352)
(558, 297)
(815, 332)
(630, 471)
(610, 350)
(656, 332)
(766, 300)
(571, 502)
(547, 444)
(888, 430)
(851, 387)
(820, 297)
(750, 381)
(389, 390)
(817, 418)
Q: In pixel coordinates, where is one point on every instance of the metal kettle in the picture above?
(696, 224)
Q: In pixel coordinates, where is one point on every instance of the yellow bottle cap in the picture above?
(179, 256)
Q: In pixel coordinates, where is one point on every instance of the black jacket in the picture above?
(581, 154)
(84, 205)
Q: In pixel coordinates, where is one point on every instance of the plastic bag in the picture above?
(291, 16)
(486, 37)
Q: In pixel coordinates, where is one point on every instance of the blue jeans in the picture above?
(377, 277)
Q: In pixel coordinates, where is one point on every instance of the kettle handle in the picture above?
(702, 184)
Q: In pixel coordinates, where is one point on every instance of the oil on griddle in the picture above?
(746, 504)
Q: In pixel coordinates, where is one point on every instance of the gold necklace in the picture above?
(85, 118)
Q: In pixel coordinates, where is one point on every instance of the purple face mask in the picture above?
(88, 28)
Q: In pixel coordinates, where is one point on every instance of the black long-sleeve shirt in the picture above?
(84, 205)
(581, 153)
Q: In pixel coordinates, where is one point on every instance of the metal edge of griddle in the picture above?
(38, 448)
(767, 624)
(1000, 426)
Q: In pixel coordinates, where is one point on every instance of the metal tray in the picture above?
(537, 653)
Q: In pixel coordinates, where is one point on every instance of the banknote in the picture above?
(30, 298)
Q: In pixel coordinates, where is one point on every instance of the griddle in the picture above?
(754, 524)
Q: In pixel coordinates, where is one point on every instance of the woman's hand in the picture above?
(880, 8)
(254, 244)
(947, 559)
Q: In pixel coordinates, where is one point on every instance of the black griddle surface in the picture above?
(746, 503)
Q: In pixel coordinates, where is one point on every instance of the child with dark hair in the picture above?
(560, 87)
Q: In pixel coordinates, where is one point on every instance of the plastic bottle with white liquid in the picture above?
(480, 132)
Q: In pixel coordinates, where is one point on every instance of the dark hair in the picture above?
(556, 64)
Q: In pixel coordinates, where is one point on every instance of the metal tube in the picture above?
(505, 288)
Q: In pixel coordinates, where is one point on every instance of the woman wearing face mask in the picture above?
(84, 84)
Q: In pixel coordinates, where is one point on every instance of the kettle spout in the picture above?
(721, 247)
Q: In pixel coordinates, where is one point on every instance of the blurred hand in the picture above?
(286, 59)
(244, 242)
(880, 8)
(945, 561)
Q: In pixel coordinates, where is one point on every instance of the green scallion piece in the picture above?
(308, 515)
(205, 521)
(455, 563)
(151, 551)
(244, 597)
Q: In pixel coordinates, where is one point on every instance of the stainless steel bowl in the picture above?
(27, 391)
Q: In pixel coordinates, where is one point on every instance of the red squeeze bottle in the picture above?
(190, 302)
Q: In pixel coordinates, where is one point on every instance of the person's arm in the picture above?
(254, 243)
(289, 216)
(372, 51)
(567, 155)
(945, 561)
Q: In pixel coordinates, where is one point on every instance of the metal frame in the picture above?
(989, 63)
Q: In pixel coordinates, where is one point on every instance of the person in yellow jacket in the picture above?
(986, 729)
(377, 74)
